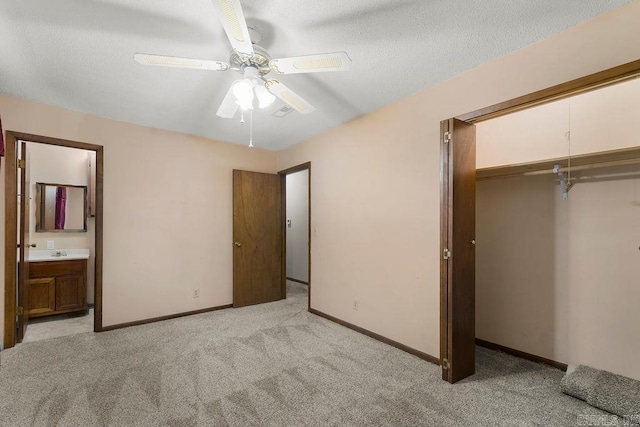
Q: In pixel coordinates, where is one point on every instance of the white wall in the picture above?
(376, 181)
(559, 278)
(167, 209)
(298, 233)
(61, 165)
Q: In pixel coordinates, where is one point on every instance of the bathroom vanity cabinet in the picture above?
(57, 287)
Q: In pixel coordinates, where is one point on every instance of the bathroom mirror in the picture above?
(61, 208)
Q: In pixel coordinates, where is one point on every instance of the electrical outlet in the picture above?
(355, 304)
(196, 293)
(50, 244)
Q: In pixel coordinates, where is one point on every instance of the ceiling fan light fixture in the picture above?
(243, 91)
(254, 63)
(265, 98)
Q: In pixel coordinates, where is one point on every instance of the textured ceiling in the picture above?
(78, 54)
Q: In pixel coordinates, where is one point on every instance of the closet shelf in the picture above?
(603, 159)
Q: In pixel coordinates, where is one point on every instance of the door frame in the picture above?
(608, 77)
(10, 226)
(22, 297)
(283, 185)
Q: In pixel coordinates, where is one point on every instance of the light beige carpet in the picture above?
(605, 390)
(274, 365)
(44, 328)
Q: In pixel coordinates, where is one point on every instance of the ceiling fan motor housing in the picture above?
(259, 60)
(252, 74)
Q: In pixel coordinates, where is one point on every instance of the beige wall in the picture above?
(75, 216)
(531, 135)
(375, 184)
(61, 165)
(167, 209)
(559, 278)
(297, 211)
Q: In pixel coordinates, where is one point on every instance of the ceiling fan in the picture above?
(254, 63)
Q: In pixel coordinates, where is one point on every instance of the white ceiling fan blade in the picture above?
(174, 61)
(229, 106)
(289, 96)
(232, 18)
(336, 61)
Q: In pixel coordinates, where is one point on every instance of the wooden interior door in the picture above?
(458, 184)
(23, 238)
(257, 238)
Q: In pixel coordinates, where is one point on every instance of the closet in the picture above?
(558, 230)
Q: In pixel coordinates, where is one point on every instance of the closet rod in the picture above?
(584, 167)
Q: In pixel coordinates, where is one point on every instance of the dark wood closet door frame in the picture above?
(11, 222)
(621, 73)
(283, 182)
(584, 84)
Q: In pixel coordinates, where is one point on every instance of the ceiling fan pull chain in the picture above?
(250, 128)
(242, 116)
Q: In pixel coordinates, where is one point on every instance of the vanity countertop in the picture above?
(57, 254)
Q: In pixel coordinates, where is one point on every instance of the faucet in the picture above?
(59, 253)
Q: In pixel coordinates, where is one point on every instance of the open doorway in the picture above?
(297, 208)
(62, 241)
(70, 278)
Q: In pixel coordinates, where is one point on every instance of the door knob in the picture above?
(473, 242)
(238, 244)
(33, 245)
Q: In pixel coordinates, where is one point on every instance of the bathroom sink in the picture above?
(57, 254)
